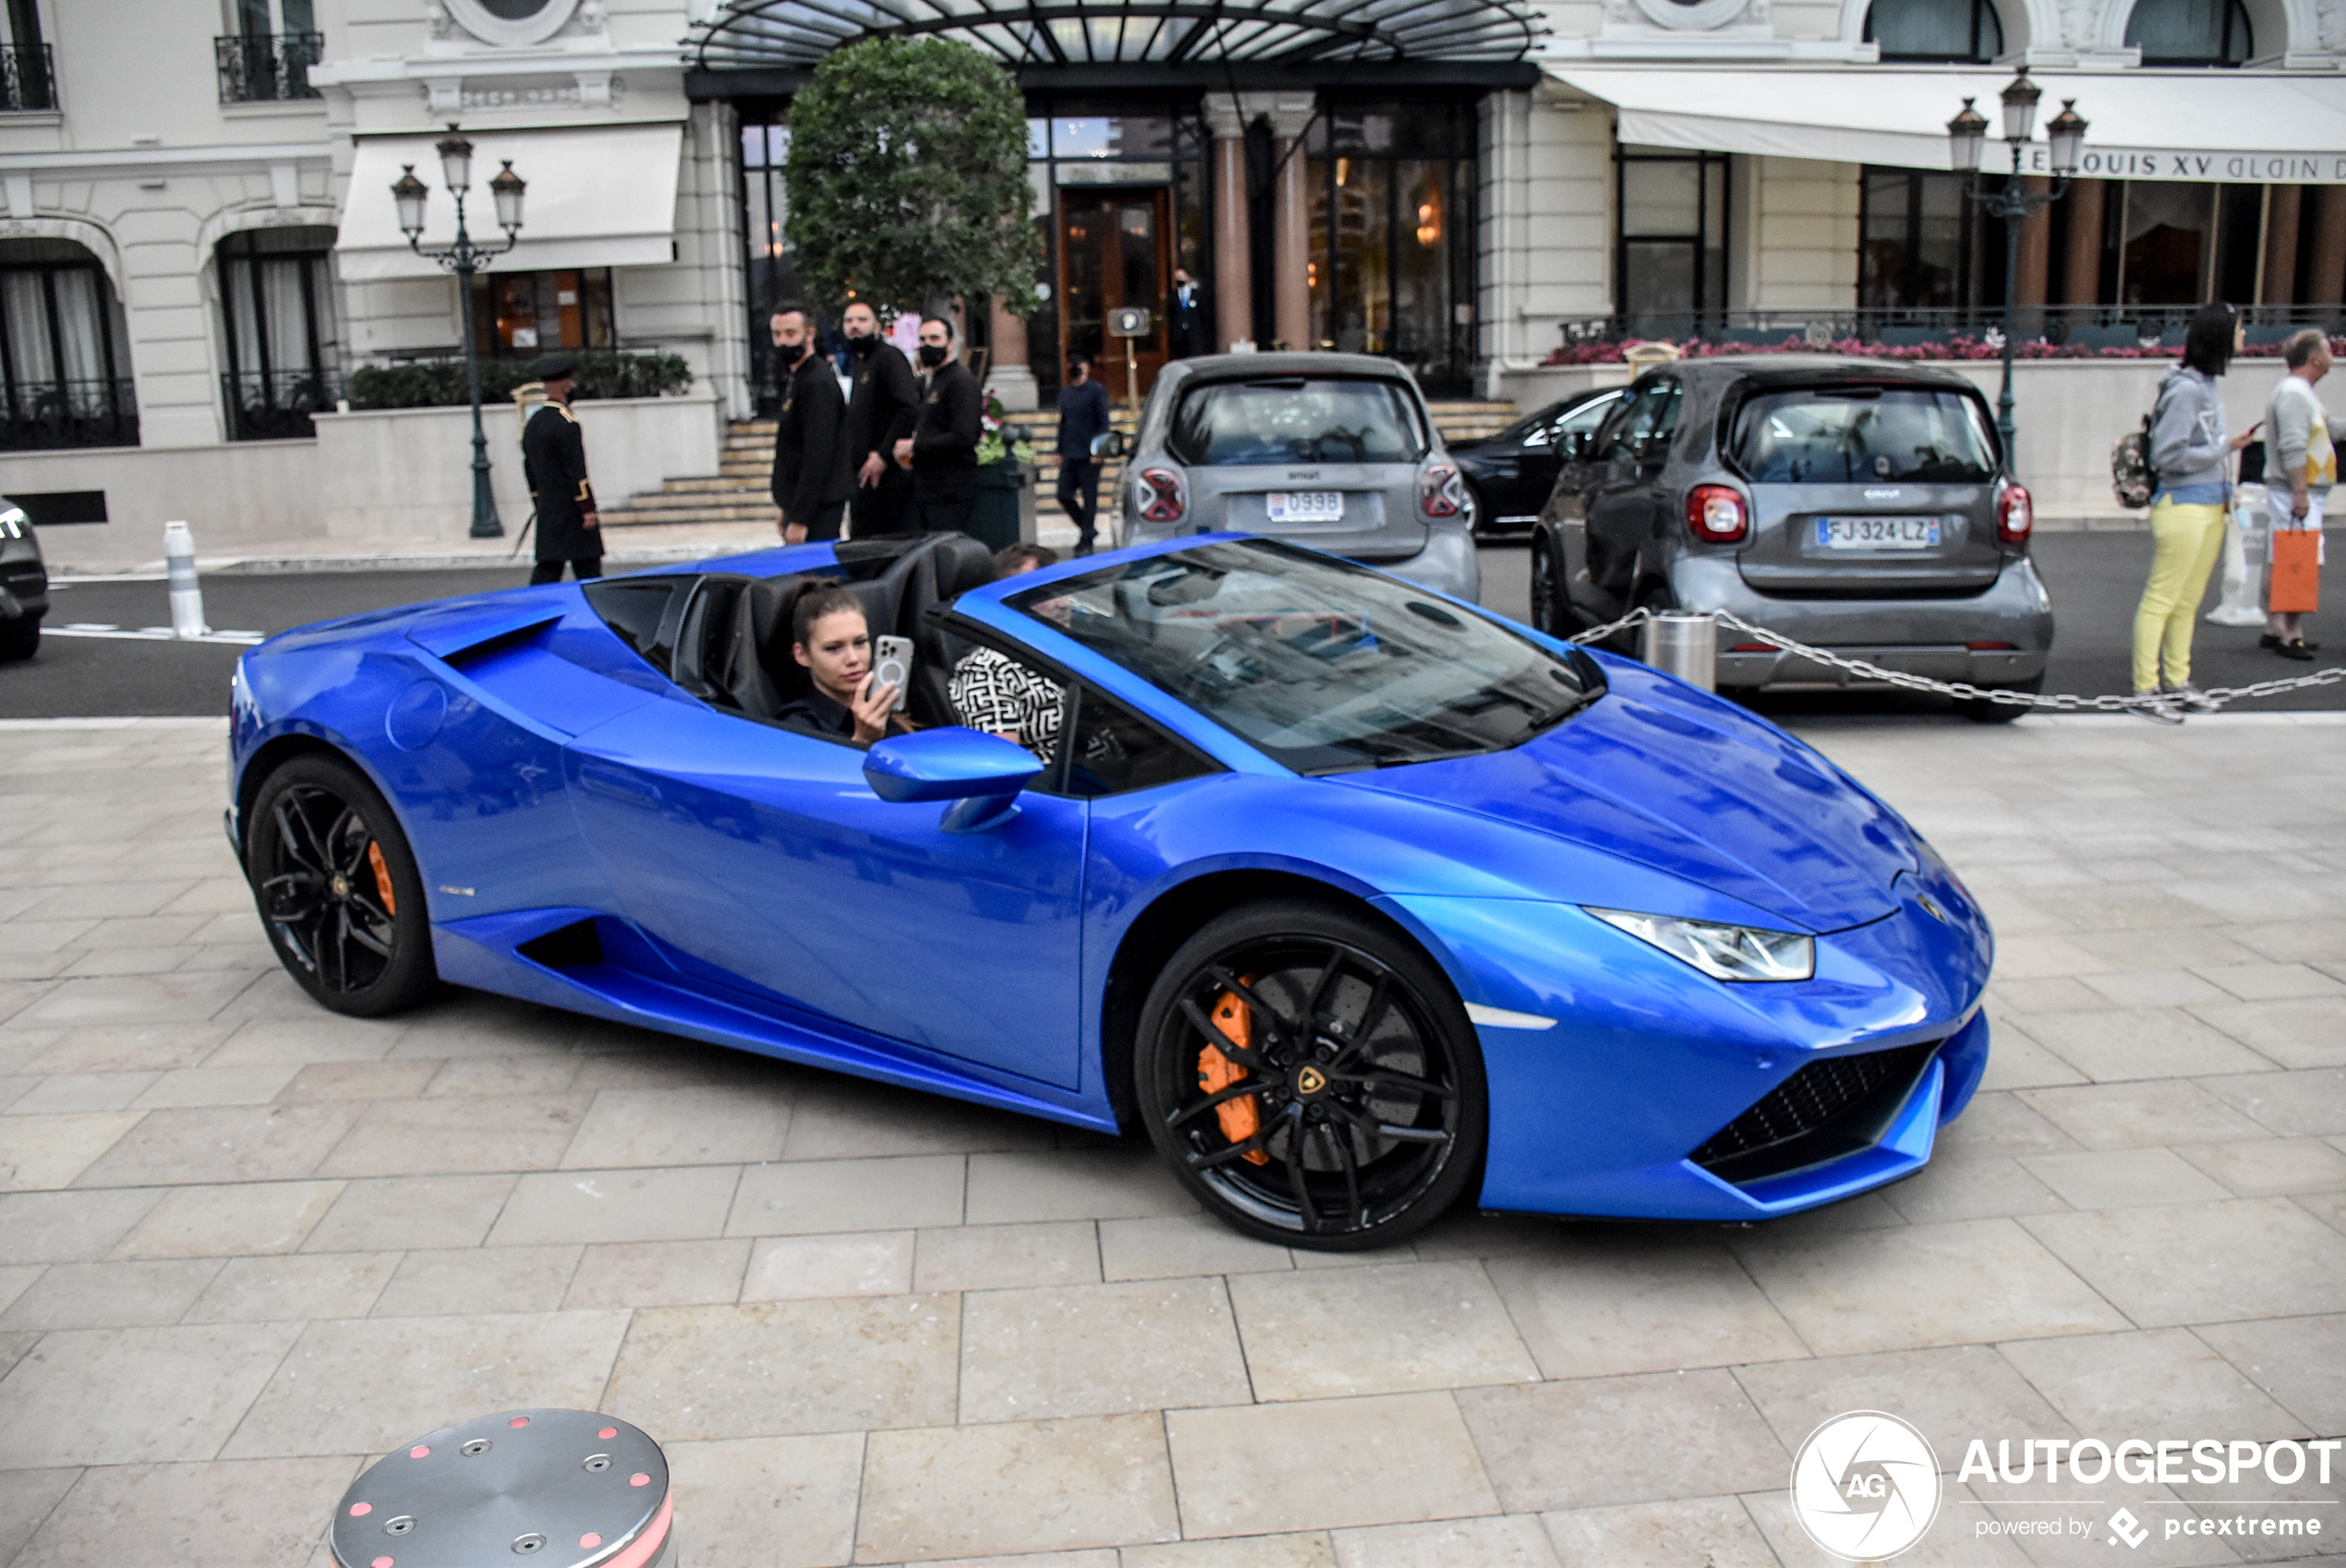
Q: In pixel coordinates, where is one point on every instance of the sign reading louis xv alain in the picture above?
(2309, 167)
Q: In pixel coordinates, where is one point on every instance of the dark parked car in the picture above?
(24, 586)
(1855, 505)
(1512, 473)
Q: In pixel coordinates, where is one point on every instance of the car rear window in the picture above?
(1861, 434)
(1297, 419)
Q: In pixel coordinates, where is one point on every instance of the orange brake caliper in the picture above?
(1241, 1119)
(383, 878)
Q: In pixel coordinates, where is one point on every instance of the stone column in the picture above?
(1233, 256)
(1290, 115)
(2083, 284)
(1008, 372)
(2035, 255)
(2327, 283)
(2283, 204)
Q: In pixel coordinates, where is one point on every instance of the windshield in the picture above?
(1323, 665)
(1297, 419)
(1860, 435)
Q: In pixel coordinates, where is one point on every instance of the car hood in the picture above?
(1659, 773)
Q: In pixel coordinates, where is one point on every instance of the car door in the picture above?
(758, 858)
(1620, 505)
(1556, 436)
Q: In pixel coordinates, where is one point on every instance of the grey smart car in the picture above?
(1332, 450)
(1858, 506)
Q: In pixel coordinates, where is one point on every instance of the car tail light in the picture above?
(1160, 494)
(1441, 494)
(1992, 647)
(2015, 515)
(1717, 515)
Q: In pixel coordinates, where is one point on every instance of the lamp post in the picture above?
(464, 259)
(1966, 139)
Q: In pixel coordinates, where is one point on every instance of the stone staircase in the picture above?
(737, 492)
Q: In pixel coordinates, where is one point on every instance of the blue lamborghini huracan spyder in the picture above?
(1355, 897)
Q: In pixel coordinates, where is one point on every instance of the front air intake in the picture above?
(1825, 1111)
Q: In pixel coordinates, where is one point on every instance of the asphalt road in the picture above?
(2095, 580)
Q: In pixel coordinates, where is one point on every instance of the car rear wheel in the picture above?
(338, 890)
(1550, 611)
(19, 638)
(1311, 1078)
(1979, 710)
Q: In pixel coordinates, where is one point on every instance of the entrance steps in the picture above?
(738, 491)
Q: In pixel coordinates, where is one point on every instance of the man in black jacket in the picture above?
(553, 462)
(1185, 322)
(942, 449)
(880, 412)
(812, 475)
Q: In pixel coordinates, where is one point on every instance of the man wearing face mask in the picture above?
(812, 475)
(880, 412)
(942, 449)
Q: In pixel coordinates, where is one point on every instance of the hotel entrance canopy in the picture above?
(2221, 126)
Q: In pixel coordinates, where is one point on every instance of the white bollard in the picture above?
(2245, 534)
(187, 594)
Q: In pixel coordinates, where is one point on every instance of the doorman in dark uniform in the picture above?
(942, 449)
(1186, 330)
(880, 412)
(812, 479)
(553, 460)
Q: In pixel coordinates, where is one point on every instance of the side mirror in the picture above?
(983, 774)
(1112, 443)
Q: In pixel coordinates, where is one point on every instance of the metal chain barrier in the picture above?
(2059, 703)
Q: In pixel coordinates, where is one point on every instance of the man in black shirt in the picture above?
(553, 462)
(942, 449)
(812, 475)
(880, 412)
(1185, 318)
(1084, 418)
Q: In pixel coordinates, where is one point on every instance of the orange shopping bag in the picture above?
(2297, 577)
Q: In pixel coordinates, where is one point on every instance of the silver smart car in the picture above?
(1332, 450)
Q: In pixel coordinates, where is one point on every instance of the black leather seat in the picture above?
(760, 674)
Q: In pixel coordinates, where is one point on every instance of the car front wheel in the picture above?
(19, 638)
(338, 890)
(1311, 1078)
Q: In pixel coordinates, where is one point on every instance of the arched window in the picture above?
(1964, 30)
(2191, 32)
(65, 357)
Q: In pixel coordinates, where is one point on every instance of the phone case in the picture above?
(893, 666)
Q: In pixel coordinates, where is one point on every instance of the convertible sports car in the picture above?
(1354, 897)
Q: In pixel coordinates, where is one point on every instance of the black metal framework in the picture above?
(1064, 32)
(276, 310)
(1671, 239)
(1919, 244)
(28, 77)
(263, 67)
(1936, 30)
(2192, 33)
(63, 356)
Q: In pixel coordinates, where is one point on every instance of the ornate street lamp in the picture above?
(1966, 139)
(464, 259)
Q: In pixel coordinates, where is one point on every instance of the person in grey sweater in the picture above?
(2298, 479)
(2192, 454)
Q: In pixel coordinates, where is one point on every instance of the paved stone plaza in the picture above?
(246, 1245)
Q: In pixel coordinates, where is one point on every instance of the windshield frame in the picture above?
(1421, 429)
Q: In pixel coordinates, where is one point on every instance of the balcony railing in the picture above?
(267, 67)
(276, 406)
(28, 77)
(40, 416)
(2076, 327)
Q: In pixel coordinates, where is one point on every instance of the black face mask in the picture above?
(793, 354)
(862, 347)
(932, 354)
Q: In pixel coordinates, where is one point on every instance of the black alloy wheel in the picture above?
(1979, 710)
(1311, 1078)
(1549, 613)
(338, 889)
(19, 638)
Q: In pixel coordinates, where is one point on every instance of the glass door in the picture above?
(1113, 252)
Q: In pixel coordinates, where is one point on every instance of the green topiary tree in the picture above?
(907, 178)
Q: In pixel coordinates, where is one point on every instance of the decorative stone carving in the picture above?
(1700, 16)
(2329, 25)
(2081, 23)
(437, 20)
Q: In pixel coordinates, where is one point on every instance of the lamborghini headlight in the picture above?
(1722, 952)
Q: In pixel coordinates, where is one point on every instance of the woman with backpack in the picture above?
(2192, 456)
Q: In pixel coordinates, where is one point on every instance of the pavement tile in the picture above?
(2270, 982)
(2201, 1262)
(1958, 1184)
(66, 1092)
(106, 1295)
(804, 1197)
(1504, 1540)
(222, 1144)
(58, 1227)
(359, 1080)
(2040, 955)
(144, 1047)
(187, 1087)
(2004, 1124)
(1650, 1438)
(1953, 1541)
(2295, 1104)
(842, 1118)
(16, 1278)
(314, 1036)
(1326, 1463)
(2147, 1381)
(770, 1367)
(26, 1497)
(2300, 1361)
(2056, 995)
(1713, 1531)
(473, 1024)
(633, 1205)
(472, 1280)
(2306, 1032)
(42, 1152)
(2264, 1167)
(2327, 1207)
(1015, 1486)
(1961, 1283)
(41, 935)
(491, 1133)
(1124, 1183)
(471, 1078)
(135, 1395)
(800, 1268)
(2139, 1043)
(2015, 1061)
(2154, 988)
(1173, 1245)
(1393, 1328)
(1636, 1300)
(1099, 1350)
(2122, 1178)
(2293, 941)
(318, 1285)
(1950, 1395)
(113, 961)
(224, 1515)
(1006, 1257)
(659, 1273)
(775, 1502)
(2134, 1115)
(678, 1126)
(1310, 1550)
(400, 1213)
(146, 998)
(103, 900)
(213, 1222)
(361, 1384)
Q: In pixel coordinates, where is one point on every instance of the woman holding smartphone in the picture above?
(831, 639)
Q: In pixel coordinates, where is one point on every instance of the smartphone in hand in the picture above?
(893, 666)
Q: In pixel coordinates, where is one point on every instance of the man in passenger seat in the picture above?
(993, 691)
(831, 638)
